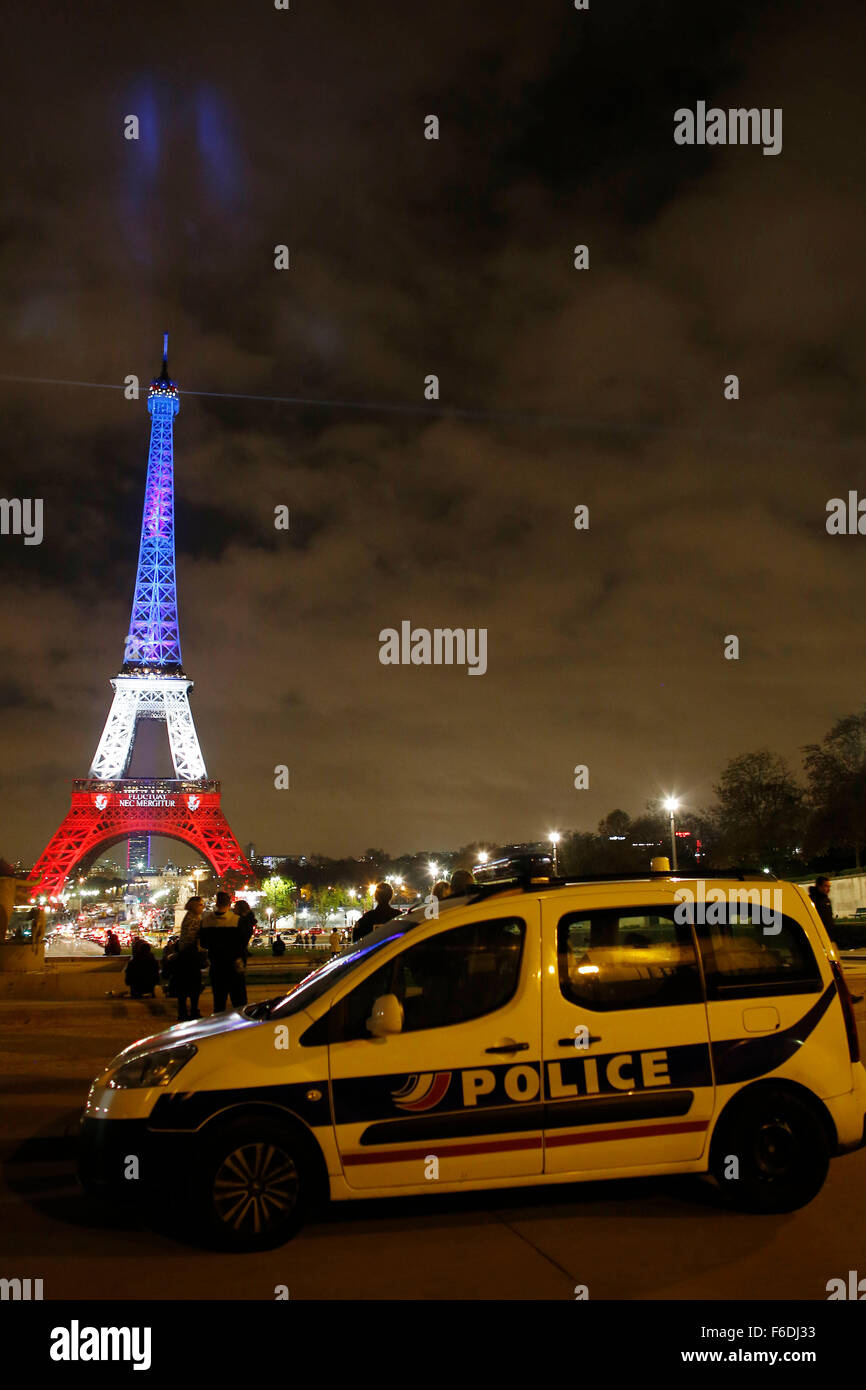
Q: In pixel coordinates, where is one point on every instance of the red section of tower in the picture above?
(103, 813)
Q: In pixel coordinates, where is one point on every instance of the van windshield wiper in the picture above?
(264, 1008)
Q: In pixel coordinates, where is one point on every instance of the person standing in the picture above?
(382, 912)
(246, 925)
(219, 936)
(820, 895)
(186, 966)
(334, 941)
(167, 964)
(462, 882)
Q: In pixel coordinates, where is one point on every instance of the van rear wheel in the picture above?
(254, 1186)
(770, 1152)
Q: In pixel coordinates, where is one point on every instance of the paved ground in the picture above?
(639, 1239)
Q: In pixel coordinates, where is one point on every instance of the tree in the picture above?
(760, 815)
(836, 769)
(279, 893)
(327, 900)
(614, 825)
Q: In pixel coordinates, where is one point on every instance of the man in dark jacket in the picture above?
(382, 912)
(221, 939)
(820, 895)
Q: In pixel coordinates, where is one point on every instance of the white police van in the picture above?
(531, 1033)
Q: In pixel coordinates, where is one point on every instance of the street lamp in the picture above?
(672, 804)
(554, 837)
(433, 869)
(482, 856)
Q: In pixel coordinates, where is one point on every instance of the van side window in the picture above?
(450, 978)
(635, 959)
(745, 957)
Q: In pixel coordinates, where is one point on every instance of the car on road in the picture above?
(536, 1031)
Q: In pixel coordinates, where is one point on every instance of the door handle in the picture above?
(571, 1042)
(509, 1047)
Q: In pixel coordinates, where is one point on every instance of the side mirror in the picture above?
(387, 1016)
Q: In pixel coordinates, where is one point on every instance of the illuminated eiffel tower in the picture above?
(108, 806)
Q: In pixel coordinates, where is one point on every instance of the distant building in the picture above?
(138, 853)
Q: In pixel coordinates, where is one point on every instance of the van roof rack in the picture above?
(534, 883)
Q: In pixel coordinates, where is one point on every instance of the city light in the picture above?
(554, 837)
(483, 856)
(672, 804)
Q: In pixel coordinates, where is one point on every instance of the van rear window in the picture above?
(745, 958)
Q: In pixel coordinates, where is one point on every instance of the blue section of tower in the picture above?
(154, 636)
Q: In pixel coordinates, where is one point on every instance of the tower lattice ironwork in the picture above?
(152, 684)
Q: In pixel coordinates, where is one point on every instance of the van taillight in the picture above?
(847, 1010)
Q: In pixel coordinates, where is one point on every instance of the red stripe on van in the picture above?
(631, 1132)
(456, 1150)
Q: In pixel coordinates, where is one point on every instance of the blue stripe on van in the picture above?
(742, 1059)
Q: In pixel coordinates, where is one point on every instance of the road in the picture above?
(638, 1239)
(64, 946)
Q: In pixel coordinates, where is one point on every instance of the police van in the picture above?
(529, 1032)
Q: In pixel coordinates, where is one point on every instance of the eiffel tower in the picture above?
(107, 806)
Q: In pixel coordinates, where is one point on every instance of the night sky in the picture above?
(559, 387)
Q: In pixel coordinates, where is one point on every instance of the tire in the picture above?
(782, 1152)
(253, 1188)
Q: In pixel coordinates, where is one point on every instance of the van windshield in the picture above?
(313, 986)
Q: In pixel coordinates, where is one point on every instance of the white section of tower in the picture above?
(154, 697)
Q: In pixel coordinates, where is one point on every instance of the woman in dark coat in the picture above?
(186, 968)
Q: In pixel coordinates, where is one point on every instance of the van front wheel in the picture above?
(770, 1152)
(254, 1186)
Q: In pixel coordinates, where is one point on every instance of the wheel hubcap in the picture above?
(255, 1187)
(775, 1149)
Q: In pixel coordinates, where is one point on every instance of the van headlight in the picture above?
(153, 1068)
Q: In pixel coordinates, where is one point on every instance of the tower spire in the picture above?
(154, 634)
(164, 376)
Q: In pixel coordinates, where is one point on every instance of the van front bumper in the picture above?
(124, 1157)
